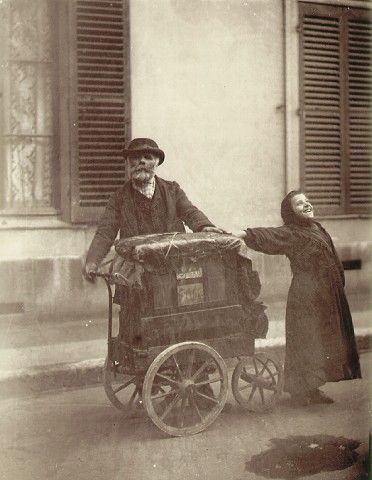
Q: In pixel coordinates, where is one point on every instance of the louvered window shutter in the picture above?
(359, 115)
(335, 69)
(101, 104)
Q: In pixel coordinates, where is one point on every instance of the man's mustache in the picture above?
(143, 169)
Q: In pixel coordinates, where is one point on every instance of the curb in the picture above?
(90, 372)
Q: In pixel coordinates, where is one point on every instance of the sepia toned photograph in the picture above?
(186, 239)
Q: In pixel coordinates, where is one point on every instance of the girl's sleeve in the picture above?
(336, 258)
(273, 240)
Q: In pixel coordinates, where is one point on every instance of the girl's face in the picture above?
(301, 206)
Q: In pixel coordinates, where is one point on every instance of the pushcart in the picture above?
(188, 302)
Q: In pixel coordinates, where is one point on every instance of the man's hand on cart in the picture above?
(90, 271)
(213, 230)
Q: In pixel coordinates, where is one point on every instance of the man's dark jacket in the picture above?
(170, 209)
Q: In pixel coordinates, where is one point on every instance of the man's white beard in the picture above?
(142, 176)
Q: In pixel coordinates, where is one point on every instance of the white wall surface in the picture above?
(207, 85)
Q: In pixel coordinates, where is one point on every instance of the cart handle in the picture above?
(107, 277)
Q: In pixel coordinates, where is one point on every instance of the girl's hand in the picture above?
(240, 234)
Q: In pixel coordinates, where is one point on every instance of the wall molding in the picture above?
(291, 81)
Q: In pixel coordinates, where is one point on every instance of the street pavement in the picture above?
(77, 434)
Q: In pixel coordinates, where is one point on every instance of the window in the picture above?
(65, 105)
(29, 127)
(335, 101)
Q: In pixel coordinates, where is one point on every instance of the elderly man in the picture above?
(145, 204)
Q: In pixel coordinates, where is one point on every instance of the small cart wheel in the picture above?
(185, 388)
(123, 390)
(257, 383)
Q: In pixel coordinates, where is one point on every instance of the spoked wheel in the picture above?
(123, 390)
(257, 383)
(185, 388)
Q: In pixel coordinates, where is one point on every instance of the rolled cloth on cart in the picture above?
(160, 253)
(160, 246)
(157, 252)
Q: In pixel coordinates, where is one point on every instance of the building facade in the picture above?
(248, 98)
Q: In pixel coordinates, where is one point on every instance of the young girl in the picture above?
(320, 342)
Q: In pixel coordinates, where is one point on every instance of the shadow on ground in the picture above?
(298, 456)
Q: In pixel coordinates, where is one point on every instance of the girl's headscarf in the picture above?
(288, 214)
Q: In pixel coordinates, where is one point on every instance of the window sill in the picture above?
(28, 212)
(37, 222)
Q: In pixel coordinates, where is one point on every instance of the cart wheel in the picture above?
(257, 383)
(185, 388)
(123, 390)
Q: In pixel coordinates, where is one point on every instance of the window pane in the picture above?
(28, 125)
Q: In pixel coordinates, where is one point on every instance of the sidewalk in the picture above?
(42, 356)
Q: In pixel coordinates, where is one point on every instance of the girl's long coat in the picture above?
(320, 342)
